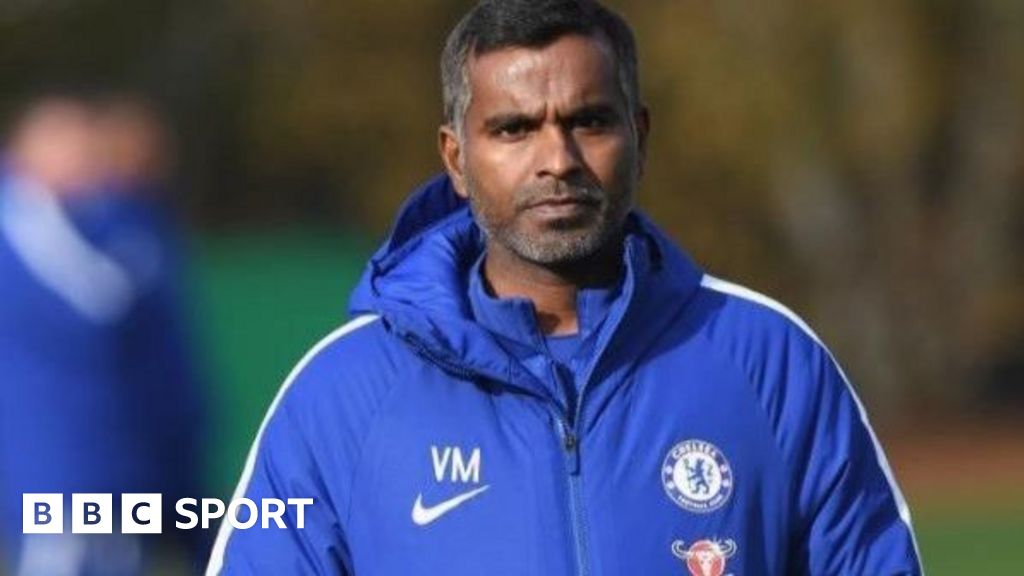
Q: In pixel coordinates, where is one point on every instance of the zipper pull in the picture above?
(571, 443)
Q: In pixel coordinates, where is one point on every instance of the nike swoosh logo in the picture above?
(422, 516)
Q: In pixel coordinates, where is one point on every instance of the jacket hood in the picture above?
(418, 282)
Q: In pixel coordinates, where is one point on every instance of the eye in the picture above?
(511, 130)
(593, 122)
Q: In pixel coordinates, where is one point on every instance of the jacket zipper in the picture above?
(570, 442)
(570, 452)
(568, 439)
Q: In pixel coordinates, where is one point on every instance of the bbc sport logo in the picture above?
(142, 513)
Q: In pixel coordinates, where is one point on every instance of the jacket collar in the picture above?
(418, 282)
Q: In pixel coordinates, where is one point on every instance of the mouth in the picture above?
(561, 200)
(561, 208)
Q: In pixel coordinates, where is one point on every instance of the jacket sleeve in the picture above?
(855, 520)
(283, 466)
(308, 446)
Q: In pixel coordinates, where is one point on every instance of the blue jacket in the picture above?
(714, 433)
(100, 388)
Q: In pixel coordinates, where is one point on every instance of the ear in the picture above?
(642, 121)
(450, 147)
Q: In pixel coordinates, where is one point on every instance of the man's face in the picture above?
(56, 145)
(551, 152)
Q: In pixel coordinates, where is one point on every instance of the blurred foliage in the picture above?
(864, 159)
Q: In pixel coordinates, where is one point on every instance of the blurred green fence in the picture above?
(263, 300)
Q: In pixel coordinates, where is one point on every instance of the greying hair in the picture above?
(495, 24)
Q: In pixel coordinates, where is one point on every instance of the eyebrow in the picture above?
(506, 118)
(604, 109)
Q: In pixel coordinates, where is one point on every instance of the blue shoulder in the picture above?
(792, 374)
(819, 421)
(342, 378)
(765, 337)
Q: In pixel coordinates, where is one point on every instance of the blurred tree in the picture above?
(863, 160)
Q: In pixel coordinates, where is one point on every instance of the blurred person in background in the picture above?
(100, 386)
(157, 357)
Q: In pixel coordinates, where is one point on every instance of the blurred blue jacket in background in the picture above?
(100, 386)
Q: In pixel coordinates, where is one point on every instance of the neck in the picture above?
(552, 289)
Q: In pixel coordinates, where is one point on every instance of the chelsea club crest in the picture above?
(696, 476)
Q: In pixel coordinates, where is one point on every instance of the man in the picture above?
(101, 391)
(538, 382)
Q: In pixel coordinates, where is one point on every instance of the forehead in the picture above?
(572, 69)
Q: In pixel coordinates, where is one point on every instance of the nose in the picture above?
(559, 153)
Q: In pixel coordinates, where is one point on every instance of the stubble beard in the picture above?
(562, 243)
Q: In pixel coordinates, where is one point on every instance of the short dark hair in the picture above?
(495, 24)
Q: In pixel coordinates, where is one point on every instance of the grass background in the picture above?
(264, 299)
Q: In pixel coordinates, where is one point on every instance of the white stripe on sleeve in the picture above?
(718, 285)
(224, 533)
